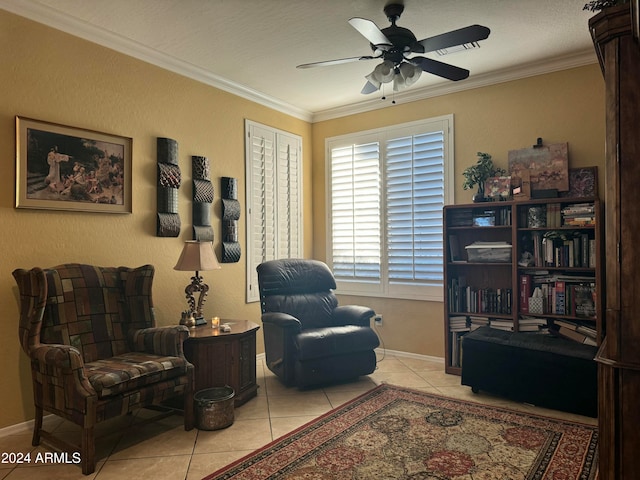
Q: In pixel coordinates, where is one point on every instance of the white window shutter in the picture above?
(355, 220)
(274, 198)
(386, 190)
(415, 198)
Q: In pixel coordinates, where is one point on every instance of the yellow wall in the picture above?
(566, 106)
(52, 76)
(55, 77)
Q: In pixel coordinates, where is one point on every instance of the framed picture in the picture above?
(498, 188)
(583, 182)
(67, 168)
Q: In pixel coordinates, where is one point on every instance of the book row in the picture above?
(543, 295)
(464, 298)
(553, 215)
(562, 249)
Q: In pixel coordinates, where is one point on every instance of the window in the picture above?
(274, 198)
(386, 190)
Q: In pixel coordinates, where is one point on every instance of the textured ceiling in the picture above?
(256, 44)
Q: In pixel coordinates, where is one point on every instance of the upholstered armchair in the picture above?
(95, 350)
(309, 340)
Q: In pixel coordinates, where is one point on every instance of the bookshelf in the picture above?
(527, 266)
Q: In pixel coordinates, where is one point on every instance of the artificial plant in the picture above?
(597, 5)
(478, 173)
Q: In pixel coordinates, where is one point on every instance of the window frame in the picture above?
(384, 288)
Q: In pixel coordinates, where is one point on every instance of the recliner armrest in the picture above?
(352, 315)
(282, 320)
(166, 340)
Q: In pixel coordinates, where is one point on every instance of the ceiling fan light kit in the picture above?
(395, 45)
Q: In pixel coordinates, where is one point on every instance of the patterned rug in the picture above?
(398, 433)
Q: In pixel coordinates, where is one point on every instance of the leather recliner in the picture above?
(309, 339)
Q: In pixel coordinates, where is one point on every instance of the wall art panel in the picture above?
(231, 250)
(169, 179)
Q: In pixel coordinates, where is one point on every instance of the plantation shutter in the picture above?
(289, 211)
(386, 189)
(355, 222)
(274, 199)
(415, 198)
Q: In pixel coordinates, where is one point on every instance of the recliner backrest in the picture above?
(301, 288)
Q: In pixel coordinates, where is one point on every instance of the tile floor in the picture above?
(163, 450)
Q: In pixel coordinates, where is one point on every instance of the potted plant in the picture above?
(478, 173)
(597, 5)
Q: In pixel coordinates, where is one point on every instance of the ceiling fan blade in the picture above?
(472, 33)
(334, 62)
(371, 32)
(369, 88)
(440, 69)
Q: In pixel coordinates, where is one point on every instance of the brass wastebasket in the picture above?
(214, 408)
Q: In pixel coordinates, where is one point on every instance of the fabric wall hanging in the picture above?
(169, 179)
(202, 199)
(230, 216)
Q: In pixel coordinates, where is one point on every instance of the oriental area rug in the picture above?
(399, 433)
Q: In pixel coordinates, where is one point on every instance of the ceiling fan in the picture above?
(395, 45)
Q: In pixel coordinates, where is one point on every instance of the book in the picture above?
(583, 301)
(454, 248)
(525, 292)
(560, 297)
(575, 336)
(501, 324)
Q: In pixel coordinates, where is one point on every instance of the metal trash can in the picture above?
(214, 408)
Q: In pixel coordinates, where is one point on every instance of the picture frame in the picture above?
(583, 182)
(498, 188)
(59, 167)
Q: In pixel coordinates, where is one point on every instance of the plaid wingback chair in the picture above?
(95, 350)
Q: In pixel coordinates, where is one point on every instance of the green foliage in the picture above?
(477, 174)
(597, 5)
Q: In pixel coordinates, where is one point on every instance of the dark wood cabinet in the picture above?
(615, 36)
(225, 358)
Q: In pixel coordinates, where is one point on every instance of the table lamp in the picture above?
(197, 256)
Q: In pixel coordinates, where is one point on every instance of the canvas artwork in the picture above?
(583, 182)
(548, 166)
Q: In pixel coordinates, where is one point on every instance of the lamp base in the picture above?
(200, 321)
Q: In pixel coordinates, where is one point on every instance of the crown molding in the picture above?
(519, 72)
(52, 18)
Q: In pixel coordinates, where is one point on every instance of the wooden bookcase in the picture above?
(488, 286)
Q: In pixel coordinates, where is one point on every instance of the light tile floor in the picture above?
(163, 450)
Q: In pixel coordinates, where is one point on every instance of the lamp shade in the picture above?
(410, 73)
(384, 72)
(197, 256)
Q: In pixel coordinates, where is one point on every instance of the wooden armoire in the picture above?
(615, 36)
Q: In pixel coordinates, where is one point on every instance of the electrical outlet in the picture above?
(377, 320)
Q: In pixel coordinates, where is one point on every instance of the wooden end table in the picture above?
(224, 358)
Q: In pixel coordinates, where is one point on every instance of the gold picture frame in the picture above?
(59, 167)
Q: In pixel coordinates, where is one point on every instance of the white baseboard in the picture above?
(397, 353)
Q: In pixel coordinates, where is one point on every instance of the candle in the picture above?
(215, 322)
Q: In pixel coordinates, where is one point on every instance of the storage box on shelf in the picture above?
(522, 266)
